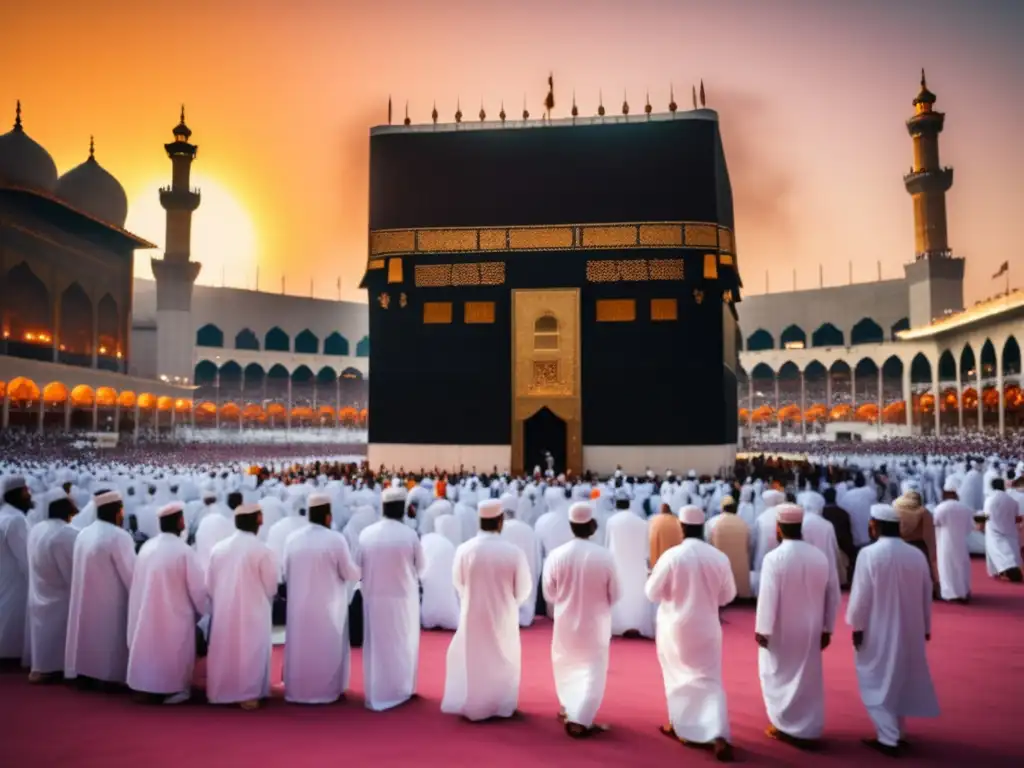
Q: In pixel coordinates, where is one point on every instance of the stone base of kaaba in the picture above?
(601, 459)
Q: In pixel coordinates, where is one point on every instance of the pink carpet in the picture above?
(976, 660)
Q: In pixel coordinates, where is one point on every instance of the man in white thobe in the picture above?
(954, 522)
(241, 581)
(796, 615)
(1002, 536)
(318, 569)
(890, 613)
(390, 558)
(484, 663)
(216, 525)
(690, 583)
(764, 533)
(440, 606)
(524, 537)
(104, 561)
(51, 555)
(14, 570)
(167, 597)
(629, 544)
(581, 584)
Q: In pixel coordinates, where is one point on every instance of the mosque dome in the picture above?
(92, 190)
(23, 162)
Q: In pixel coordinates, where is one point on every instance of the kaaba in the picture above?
(559, 286)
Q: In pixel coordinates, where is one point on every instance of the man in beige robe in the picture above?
(730, 535)
(665, 533)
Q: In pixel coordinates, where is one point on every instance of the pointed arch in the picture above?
(1011, 357)
(760, 341)
(866, 367)
(336, 344)
(815, 370)
(352, 373)
(205, 373)
(302, 375)
(326, 376)
(947, 367)
(27, 314)
(307, 343)
(210, 336)
(363, 347)
(108, 326)
(920, 370)
(276, 340)
(230, 375)
(762, 372)
(968, 363)
(988, 359)
(866, 331)
(789, 371)
(827, 335)
(75, 326)
(254, 376)
(246, 339)
(793, 338)
(903, 324)
(277, 371)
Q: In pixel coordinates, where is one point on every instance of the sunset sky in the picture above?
(812, 95)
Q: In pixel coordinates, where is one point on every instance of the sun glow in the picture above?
(223, 234)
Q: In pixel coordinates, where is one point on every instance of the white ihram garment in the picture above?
(484, 663)
(167, 597)
(629, 544)
(97, 640)
(795, 606)
(390, 557)
(51, 555)
(13, 581)
(440, 607)
(524, 537)
(319, 569)
(691, 581)
(953, 525)
(891, 603)
(241, 581)
(212, 530)
(278, 536)
(580, 582)
(1002, 537)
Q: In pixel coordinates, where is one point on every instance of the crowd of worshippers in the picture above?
(953, 444)
(159, 568)
(151, 449)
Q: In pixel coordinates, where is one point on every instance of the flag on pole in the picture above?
(1003, 269)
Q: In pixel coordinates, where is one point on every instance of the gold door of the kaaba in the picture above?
(546, 368)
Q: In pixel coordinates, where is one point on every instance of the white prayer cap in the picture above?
(692, 474)
(618, 473)
(509, 502)
(581, 512)
(247, 509)
(318, 500)
(13, 483)
(773, 498)
(393, 494)
(789, 514)
(489, 509)
(110, 497)
(952, 484)
(691, 515)
(621, 494)
(170, 509)
(885, 513)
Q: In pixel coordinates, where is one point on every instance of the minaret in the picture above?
(935, 278)
(175, 273)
